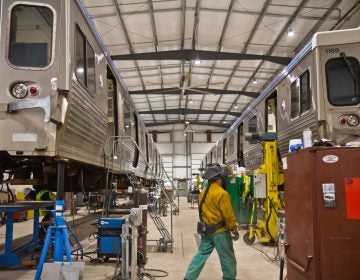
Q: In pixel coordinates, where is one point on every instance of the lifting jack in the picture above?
(268, 181)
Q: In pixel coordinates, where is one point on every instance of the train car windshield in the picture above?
(31, 32)
(342, 76)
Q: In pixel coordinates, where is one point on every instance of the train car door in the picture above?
(136, 136)
(240, 145)
(271, 113)
(112, 105)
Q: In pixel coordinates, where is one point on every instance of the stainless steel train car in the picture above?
(319, 90)
(62, 100)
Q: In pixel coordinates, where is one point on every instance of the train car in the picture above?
(319, 90)
(62, 99)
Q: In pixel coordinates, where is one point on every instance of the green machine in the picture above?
(241, 193)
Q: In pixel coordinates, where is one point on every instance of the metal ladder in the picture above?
(160, 185)
(165, 235)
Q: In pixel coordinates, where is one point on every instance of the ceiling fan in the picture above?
(183, 86)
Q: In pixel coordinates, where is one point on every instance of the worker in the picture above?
(245, 184)
(45, 195)
(221, 228)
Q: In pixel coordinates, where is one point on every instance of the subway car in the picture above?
(319, 90)
(62, 100)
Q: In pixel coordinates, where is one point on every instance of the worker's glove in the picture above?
(235, 235)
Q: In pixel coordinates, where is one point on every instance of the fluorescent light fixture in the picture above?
(290, 33)
(197, 61)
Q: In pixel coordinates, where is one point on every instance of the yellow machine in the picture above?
(268, 179)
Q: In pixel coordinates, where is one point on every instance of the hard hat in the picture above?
(216, 171)
(27, 191)
(242, 169)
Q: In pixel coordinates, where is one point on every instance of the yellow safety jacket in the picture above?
(217, 208)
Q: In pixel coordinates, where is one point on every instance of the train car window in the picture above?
(270, 107)
(142, 141)
(84, 61)
(218, 153)
(231, 144)
(127, 119)
(300, 95)
(136, 155)
(80, 69)
(252, 125)
(31, 35)
(295, 98)
(342, 79)
(225, 150)
(305, 94)
(90, 68)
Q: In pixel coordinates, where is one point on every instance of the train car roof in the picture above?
(328, 38)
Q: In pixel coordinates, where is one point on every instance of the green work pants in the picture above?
(223, 244)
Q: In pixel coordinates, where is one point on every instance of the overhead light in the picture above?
(197, 61)
(290, 33)
(255, 82)
(191, 101)
(187, 122)
(185, 134)
(236, 106)
(224, 122)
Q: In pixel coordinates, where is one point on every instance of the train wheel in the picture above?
(247, 240)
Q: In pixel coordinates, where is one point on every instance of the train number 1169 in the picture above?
(332, 50)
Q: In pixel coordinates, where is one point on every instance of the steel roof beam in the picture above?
(195, 91)
(279, 37)
(156, 44)
(204, 9)
(184, 111)
(244, 49)
(131, 49)
(223, 31)
(182, 122)
(190, 55)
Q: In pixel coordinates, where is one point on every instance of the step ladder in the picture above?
(165, 235)
(160, 185)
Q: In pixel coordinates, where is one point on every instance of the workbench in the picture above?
(10, 258)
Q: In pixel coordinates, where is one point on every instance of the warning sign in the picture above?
(352, 192)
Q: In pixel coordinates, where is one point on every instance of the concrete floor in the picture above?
(253, 262)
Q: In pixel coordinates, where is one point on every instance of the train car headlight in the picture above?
(352, 120)
(19, 90)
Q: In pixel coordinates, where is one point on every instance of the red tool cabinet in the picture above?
(322, 210)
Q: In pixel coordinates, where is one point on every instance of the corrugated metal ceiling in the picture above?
(177, 85)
